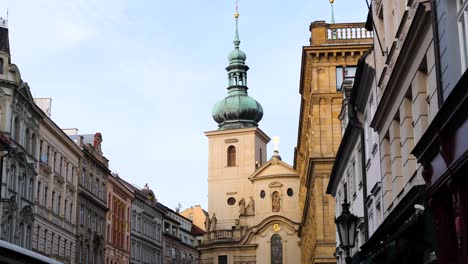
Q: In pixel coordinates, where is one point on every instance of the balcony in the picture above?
(222, 235)
(339, 33)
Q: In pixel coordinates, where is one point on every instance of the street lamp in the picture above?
(346, 225)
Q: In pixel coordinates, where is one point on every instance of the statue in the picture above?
(214, 220)
(275, 202)
(207, 223)
(242, 206)
(251, 206)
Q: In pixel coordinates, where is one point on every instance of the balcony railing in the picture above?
(347, 31)
(222, 235)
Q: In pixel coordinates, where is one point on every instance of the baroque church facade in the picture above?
(253, 203)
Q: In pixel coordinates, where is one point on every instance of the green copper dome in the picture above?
(238, 109)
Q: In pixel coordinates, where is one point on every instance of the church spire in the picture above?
(237, 110)
(332, 13)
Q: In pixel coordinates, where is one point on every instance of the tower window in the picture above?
(262, 194)
(231, 156)
(290, 192)
(231, 201)
(1, 66)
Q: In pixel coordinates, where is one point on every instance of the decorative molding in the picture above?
(231, 140)
(275, 185)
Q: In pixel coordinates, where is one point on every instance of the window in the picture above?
(462, 16)
(61, 165)
(55, 161)
(45, 241)
(33, 144)
(276, 250)
(16, 125)
(81, 214)
(47, 155)
(59, 204)
(71, 212)
(65, 209)
(231, 154)
(37, 237)
(20, 234)
(1, 66)
(27, 140)
(83, 177)
(90, 184)
(344, 73)
(46, 189)
(290, 192)
(53, 201)
(12, 177)
(231, 201)
(223, 259)
(30, 189)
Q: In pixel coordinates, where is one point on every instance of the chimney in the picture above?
(45, 104)
(97, 142)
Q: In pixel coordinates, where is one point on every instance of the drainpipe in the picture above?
(435, 33)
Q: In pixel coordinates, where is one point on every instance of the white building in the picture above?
(56, 191)
(19, 131)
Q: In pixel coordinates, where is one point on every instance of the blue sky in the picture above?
(146, 75)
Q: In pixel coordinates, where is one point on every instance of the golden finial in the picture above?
(331, 1)
(236, 14)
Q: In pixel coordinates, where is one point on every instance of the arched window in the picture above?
(276, 250)
(231, 156)
(16, 126)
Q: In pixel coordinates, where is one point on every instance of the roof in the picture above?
(197, 231)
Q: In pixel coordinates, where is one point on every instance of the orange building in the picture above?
(119, 199)
(331, 57)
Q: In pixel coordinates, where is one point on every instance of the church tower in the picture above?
(253, 203)
(238, 147)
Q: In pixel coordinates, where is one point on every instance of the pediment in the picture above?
(25, 91)
(274, 168)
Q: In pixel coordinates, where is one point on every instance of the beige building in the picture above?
(54, 233)
(252, 202)
(330, 58)
(197, 215)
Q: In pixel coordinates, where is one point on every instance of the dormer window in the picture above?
(231, 156)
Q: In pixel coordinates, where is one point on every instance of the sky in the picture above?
(146, 74)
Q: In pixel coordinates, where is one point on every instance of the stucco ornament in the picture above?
(275, 202)
(242, 206)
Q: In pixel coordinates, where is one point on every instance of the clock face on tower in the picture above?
(149, 196)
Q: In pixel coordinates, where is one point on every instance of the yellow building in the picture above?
(331, 57)
(197, 215)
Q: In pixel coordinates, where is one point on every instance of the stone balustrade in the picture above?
(347, 31)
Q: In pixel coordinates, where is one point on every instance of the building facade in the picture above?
(197, 215)
(442, 149)
(119, 198)
(19, 128)
(146, 227)
(92, 207)
(178, 241)
(406, 102)
(332, 56)
(56, 191)
(252, 202)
